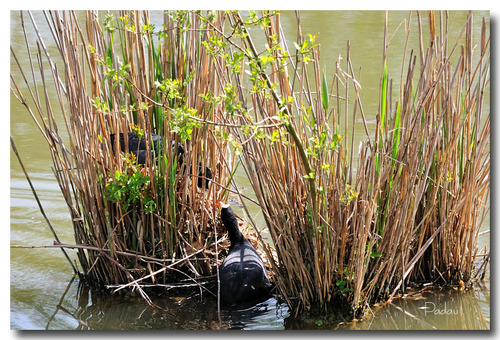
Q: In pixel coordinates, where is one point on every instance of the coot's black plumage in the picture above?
(242, 275)
(138, 148)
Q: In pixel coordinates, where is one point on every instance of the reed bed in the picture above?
(346, 229)
(134, 223)
(348, 233)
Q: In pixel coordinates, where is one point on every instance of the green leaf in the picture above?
(397, 131)
(310, 175)
(383, 97)
(324, 92)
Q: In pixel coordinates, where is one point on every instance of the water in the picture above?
(82, 309)
(44, 294)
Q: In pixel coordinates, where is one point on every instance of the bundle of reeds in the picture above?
(348, 234)
(120, 74)
(433, 161)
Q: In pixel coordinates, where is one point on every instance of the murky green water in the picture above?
(44, 294)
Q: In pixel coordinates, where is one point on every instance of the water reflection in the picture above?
(94, 310)
(81, 308)
(446, 309)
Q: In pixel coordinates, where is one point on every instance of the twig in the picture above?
(94, 248)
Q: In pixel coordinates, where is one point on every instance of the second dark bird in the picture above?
(139, 149)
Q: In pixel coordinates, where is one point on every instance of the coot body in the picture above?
(138, 148)
(242, 275)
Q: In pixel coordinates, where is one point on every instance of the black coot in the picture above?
(138, 148)
(243, 277)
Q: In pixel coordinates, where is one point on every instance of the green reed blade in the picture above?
(324, 91)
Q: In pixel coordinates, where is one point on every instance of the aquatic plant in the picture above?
(348, 233)
(346, 230)
(133, 223)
